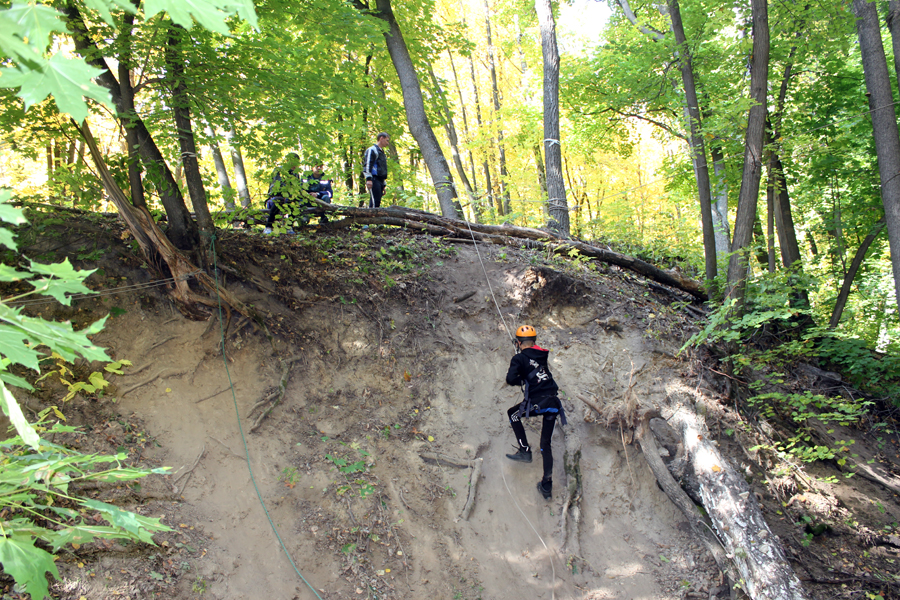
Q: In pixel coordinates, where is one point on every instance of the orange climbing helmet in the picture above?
(526, 331)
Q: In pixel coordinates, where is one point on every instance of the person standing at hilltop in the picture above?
(529, 367)
(375, 169)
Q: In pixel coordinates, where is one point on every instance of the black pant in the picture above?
(276, 205)
(547, 408)
(376, 193)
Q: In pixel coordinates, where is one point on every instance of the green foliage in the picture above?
(35, 475)
(35, 490)
(95, 382)
(27, 30)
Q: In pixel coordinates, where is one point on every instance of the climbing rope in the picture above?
(212, 248)
(502, 472)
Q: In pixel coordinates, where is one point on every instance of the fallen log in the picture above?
(742, 545)
(503, 235)
(763, 569)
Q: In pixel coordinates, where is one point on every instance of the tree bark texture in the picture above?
(698, 148)
(884, 124)
(240, 174)
(556, 189)
(450, 128)
(753, 154)
(415, 108)
(131, 139)
(719, 192)
(155, 246)
(504, 208)
(850, 275)
(221, 171)
(486, 169)
(181, 110)
(465, 121)
(893, 23)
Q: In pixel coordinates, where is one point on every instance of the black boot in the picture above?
(520, 456)
(545, 488)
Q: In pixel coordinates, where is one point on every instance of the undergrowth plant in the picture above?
(773, 332)
(40, 509)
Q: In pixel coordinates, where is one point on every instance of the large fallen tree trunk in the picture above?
(506, 235)
(156, 246)
(744, 548)
(733, 509)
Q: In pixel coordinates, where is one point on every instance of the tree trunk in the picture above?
(893, 23)
(450, 128)
(753, 154)
(131, 140)
(847, 284)
(415, 107)
(156, 246)
(462, 107)
(505, 208)
(181, 228)
(240, 174)
(489, 188)
(719, 191)
(698, 149)
(556, 189)
(184, 129)
(884, 124)
(221, 171)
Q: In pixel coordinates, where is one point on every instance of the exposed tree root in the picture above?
(164, 372)
(272, 398)
(474, 475)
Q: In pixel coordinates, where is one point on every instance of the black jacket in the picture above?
(522, 364)
(374, 163)
(315, 185)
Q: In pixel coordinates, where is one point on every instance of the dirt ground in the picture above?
(354, 483)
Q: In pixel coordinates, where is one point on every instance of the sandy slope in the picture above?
(350, 393)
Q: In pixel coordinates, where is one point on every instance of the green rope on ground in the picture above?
(212, 248)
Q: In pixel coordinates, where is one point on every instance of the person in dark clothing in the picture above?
(375, 169)
(319, 188)
(529, 368)
(286, 188)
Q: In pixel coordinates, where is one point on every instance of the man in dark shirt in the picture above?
(375, 169)
(529, 367)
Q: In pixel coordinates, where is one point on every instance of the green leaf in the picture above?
(68, 80)
(15, 380)
(141, 527)
(97, 380)
(103, 6)
(6, 236)
(8, 273)
(58, 336)
(27, 564)
(35, 22)
(13, 46)
(65, 279)
(12, 410)
(8, 213)
(13, 346)
(208, 13)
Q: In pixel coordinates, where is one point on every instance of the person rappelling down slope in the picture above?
(529, 367)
